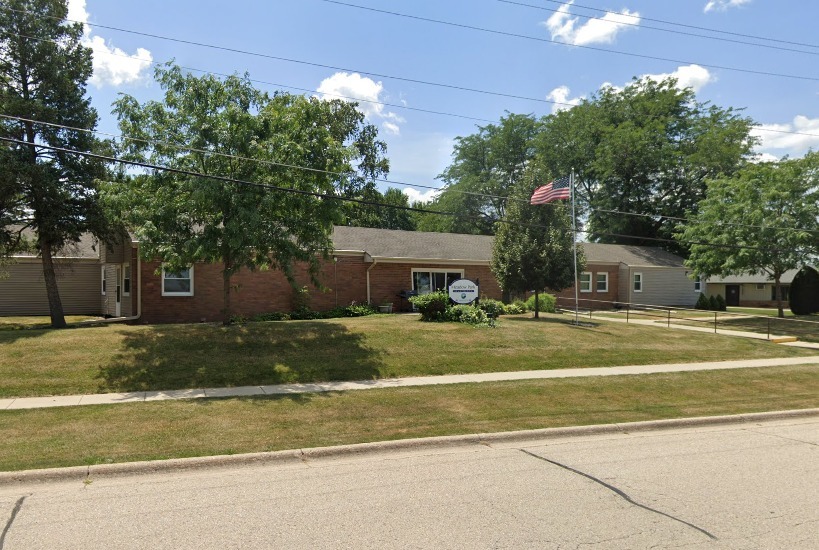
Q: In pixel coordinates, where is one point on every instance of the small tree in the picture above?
(533, 247)
(762, 221)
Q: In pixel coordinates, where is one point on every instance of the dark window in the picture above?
(786, 291)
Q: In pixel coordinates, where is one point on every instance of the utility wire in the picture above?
(380, 180)
(663, 21)
(429, 111)
(328, 196)
(583, 46)
(529, 37)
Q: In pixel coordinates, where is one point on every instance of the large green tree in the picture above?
(645, 150)
(44, 69)
(763, 221)
(229, 129)
(389, 210)
(485, 168)
(532, 250)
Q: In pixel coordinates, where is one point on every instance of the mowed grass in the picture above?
(42, 438)
(115, 358)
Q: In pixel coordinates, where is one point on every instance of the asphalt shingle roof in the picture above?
(419, 245)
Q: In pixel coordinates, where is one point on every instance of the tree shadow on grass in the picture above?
(167, 357)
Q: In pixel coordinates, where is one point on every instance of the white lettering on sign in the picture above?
(463, 291)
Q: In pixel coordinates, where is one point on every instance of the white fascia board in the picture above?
(439, 261)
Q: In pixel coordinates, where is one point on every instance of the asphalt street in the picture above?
(751, 485)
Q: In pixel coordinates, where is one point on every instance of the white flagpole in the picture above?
(574, 247)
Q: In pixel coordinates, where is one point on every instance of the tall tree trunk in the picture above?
(537, 305)
(55, 305)
(778, 287)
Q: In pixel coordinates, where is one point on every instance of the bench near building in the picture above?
(375, 266)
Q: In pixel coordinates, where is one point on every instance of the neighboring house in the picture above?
(632, 274)
(367, 266)
(750, 290)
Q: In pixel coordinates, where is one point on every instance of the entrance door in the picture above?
(732, 295)
(118, 307)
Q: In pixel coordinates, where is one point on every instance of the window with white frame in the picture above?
(425, 281)
(126, 280)
(602, 282)
(698, 284)
(585, 282)
(102, 280)
(638, 282)
(179, 283)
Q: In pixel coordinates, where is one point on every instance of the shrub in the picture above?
(713, 304)
(515, 308)
(804, 293)
(546, 303)
(470, 315)
(702, 302)
(492, 307)
(358, 310)
(721, 305)
(432, 306)
(275, 316)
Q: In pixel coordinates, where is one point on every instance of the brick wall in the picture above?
(345, 281)
(593, 299)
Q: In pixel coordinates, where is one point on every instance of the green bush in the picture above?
(359, 310)
(432, 306)
(470, 315)
(804, 293)
(492, 307)
(713, 303)
(546, 303)
(703, 302)
(515, 308)
(721, 305)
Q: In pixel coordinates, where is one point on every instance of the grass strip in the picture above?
(72, 436)
(165, 357)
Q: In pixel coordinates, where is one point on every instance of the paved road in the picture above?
(732, 486)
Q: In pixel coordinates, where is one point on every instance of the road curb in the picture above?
(297, 456)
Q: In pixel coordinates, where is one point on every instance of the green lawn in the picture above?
(42, 438)
(36, 322)
(114, 358)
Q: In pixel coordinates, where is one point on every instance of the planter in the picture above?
(385, 308)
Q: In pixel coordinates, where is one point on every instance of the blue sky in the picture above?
(570, 54)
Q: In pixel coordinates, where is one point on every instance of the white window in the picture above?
(585, 282)
(698, 284)
(177, 284)
(602, 280)
(638, 282)
(760, 286)
(126, 280)
(102, 281)
(425, 281)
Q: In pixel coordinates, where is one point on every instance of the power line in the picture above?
(429, 111)
(583, 46)
(528, 37)
(381, 180)
(674, 23)
(327, 196)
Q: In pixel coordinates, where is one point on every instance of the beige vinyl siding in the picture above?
(666, 286)
(23, 291)
(624, 284)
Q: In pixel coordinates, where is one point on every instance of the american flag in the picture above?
(552, 191)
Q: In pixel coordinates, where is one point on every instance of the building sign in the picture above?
(463, 291)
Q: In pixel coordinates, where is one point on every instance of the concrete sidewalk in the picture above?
(292, 389)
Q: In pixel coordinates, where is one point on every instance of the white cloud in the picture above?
(112, 66)
(722, 5)
(689, 76)
(419, 196)
(792, 139)
(368, 92)
(601, 30)
(563, 102)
